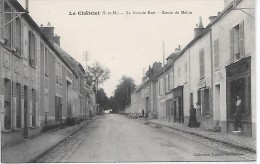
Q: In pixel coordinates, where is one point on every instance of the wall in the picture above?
(221, 30)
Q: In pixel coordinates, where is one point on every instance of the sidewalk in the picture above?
(32, 149)
(243, 142)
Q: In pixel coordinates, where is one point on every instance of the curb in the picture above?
(52, 147)
(213, 139)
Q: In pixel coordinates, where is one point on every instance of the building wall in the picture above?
(181, 74)
(165, 94)
(16, 69)
(221, 31)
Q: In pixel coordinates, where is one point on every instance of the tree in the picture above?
(97, 74)
(122, 93)
(102, 99)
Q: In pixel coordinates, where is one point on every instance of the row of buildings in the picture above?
(41, 86)
(215, 67)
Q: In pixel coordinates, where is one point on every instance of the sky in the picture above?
(126, 44)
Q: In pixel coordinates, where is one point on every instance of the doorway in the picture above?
(7, 105)
(25, 112)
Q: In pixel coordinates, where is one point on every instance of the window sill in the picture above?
(18, 129)
(32, 127)
(7, 131)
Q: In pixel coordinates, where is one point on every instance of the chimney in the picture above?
(212, 18)
(48, 32)
(198, 30)
(57, 39)
(156, 66)
(27, 5)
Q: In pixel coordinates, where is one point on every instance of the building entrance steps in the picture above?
(30, 150)
(242, 142)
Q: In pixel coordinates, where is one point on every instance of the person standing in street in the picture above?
(142, 113)
(193, 119)
(238, 114)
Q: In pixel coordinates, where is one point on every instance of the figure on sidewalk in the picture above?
(193, 119)
(142, 113)
(238, 114)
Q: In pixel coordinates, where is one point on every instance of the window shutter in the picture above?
(202, 101)
(231, 45)
(216, 53)
(22, 40)
(201, 57)
(1, 20)
(13, 24)
(241, 40)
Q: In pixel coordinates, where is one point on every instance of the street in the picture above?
(117, 138)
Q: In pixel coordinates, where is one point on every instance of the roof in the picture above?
(208, 28)
(73, 64)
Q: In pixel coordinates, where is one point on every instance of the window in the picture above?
(202, 64)
(216, 53)
(171, 80)
(18, 36)
(25, 41)
(237, 48)
(7, 28)
(166, 83)
(46, 62)
(32, 49)
(160, 86)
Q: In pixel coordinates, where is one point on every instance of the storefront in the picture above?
(239, 85)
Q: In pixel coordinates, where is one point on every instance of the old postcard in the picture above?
(128, 81)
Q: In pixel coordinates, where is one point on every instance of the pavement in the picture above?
(242, 142)
(32, 149)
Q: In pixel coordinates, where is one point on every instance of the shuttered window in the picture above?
(32, 49)
(237, 45)
(46, 62)
(18, 35)
(216, 53)
(202, 64)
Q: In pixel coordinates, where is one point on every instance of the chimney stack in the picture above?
(156, 66)
(48, 32)
(198, 30)
(27, 5)
(57, 39)
(212, 18)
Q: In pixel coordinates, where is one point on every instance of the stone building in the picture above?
(234, 66)
(37, 85)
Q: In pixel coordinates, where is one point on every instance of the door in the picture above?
(217, 104)
(174, 111)
(146, 107)
(25, 112)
